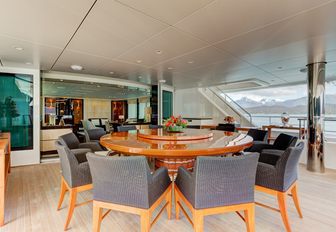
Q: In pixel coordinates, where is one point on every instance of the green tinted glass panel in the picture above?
(167, 103)
(16, 109)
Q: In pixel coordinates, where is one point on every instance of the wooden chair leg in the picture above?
(72, 204)
(145, 221)
(296, 200)
(283, 209)
(198, 219)
(177, 207)
(169, 206)
(250, 218)
(62, 193)
(97, 217)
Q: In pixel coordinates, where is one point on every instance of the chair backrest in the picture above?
(87, 124)
(126, 128)
(70, 140)
(258, 135)
(68, 162)
(155, 126)
(221, 181)
(108, 127)
(284, 141)
(120, 180)
(287, 165)
(94, 134)
(226, 127)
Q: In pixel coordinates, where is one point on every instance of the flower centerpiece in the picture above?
(175, 124)
(229, 119)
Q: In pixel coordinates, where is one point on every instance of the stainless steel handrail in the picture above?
(234, 102)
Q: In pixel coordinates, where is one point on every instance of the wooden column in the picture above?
(4, 170)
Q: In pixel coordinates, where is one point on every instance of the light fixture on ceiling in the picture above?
(76, 67)
(98, 86)
(139, 77)
(61, 80)
(162, 81)
(190, 61)
(112, 72)
(159, 52)
(139, 61)
(28, 63)
(170, 68)
(18, 48)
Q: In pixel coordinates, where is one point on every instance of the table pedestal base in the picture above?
(173, 164)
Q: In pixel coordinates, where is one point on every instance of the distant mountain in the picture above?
(292, 106)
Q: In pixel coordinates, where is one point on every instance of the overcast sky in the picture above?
(279, 93)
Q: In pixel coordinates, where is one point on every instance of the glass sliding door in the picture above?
(16, 109)
(167, 104)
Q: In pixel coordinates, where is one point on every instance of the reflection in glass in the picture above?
(16, 109)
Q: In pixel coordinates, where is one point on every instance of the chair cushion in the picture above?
(80, 154)
(270, 156)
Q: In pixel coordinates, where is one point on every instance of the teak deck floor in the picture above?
(32, 195)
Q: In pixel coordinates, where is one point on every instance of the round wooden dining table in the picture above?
(176, 149)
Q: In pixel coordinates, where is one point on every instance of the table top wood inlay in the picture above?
(220, 142)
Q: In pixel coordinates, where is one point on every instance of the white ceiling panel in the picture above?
(171, 43)
(111, 28)
(199, 58)
(32, 55)
(307, 35)
(225, 19)
(170, 11)
(44, 22)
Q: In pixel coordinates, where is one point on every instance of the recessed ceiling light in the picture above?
(170, 68)
(139, 61)
(162, 81)
(28, 63)
(18, 48)
(61, 80)
(111, 72)
(98, 86)
(76, 67)
(190, 61)
(158, 52)
(139, 77)
(279, 68)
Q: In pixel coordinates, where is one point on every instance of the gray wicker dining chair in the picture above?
(126, 184)
(94, 135)
(79, 149)
(76, 177)
(217, 185)
(280, 180)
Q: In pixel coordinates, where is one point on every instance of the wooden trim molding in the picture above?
(145, 214)
(197, 220)
(5, 151)
(281, 196)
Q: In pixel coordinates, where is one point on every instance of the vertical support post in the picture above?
(315, 122)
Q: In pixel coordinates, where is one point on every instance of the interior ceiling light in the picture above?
(28, 63)
(170, 68)
(162, 81)
(158, 52)
(139, 61)
(139, 77)
(76, 67)
(18, 48)
(190, 61)
(111, 72)
(61, 80)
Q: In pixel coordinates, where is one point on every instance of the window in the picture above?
(16, 109)
(143, 104)
(132, 109)
(167, 103)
